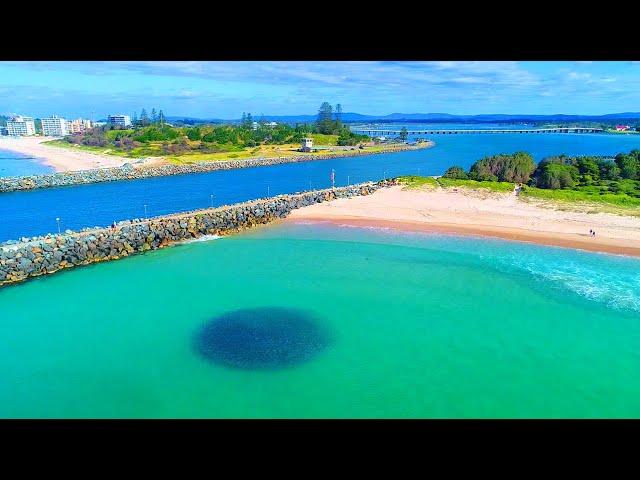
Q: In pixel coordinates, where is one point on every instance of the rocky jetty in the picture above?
(132, 172)
(31, 257)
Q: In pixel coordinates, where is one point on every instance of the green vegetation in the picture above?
(614, 183)
(475, 184)
(414, 181)
(456, 173)
(328, 123)
(621, 200)
(152, 136)
(515, 168)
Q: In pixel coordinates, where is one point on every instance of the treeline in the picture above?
(329, 122)
(156, 118)
(554, 172)
(213, 138)
(203, 139)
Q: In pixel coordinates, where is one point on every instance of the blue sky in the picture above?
(226, 89)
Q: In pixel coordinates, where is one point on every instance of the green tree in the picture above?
(516, 168)
(324, 122)
(338, 117)
(161, 118)
(609, 170)
(456, 172)
(144, 118)
(404, 134)
(588, 168)
(556, 175)
(154, 116)
(194, 134)
(628, 165)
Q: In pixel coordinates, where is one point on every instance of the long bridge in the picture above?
(376, 132)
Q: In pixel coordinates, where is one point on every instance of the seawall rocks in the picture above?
(131, 172)
(31, 257)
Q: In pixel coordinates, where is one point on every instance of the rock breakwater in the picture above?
(31, 257)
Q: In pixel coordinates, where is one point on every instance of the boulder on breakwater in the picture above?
(31, 257)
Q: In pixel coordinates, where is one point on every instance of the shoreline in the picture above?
(477, 231)
(464, 215)
(61, 160)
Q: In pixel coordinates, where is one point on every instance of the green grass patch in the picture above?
(475, 184)
(415, 181)
(321, 139)
(591, 195)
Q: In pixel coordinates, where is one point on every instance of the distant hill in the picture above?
(352, 117)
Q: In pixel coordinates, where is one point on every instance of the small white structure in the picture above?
(21, 126)
(307, 144)
(54, 126)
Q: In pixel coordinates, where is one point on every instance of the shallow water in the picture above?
(14, 164)
(422, 326)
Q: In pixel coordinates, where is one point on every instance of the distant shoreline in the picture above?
(456, 211)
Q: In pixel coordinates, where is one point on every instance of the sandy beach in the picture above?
(61, 159)
(469, 212)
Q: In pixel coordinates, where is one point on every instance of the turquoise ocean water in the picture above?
(420, 326)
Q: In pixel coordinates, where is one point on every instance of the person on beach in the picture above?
(590, 232)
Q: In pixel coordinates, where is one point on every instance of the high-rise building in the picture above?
(120, 120)
(54, 127)
(21, 126)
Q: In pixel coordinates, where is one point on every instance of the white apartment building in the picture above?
(54, 127)
(20, 126)
(121, 120)
(79, 125)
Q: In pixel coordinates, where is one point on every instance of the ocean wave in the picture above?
(614, 282)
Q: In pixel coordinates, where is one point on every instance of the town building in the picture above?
(79, 125)
(119, 120)
(622, 128)
(21, 126)
(307, 145)
(54, 127)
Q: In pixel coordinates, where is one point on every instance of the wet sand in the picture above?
(469, 212)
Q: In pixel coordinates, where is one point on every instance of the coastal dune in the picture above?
(474, 212)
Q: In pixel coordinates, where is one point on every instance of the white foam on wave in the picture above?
(613, 283)
(203, 238)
